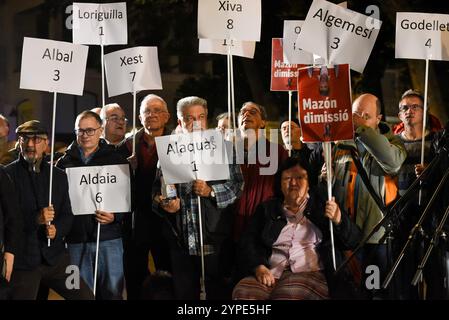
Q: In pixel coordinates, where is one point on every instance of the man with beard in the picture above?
(35, 261)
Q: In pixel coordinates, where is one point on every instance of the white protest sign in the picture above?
(293, 54)
(189, 156)
(422, 36)
(53, 66)
(229, 19)
(100, 23)
(238, 48)
(133, 69)
(105, 188)
(339, 35)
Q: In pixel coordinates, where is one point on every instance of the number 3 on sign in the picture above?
(57, 77)
(335, 43)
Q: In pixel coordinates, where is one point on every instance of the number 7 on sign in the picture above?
(133, 75)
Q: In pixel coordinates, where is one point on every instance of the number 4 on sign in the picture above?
(429, 43)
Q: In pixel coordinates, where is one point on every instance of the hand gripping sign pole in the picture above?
(328, 158)
(53, 66)
(52, 152)
(96, 252)
(197, 128)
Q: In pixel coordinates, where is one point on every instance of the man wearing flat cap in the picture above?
(35, 261)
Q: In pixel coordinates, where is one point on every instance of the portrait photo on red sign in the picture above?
(324, 103)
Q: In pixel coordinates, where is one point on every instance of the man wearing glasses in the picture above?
(114, 122)
(144, 232)
(411, 113)
(35, 262)
(90, 149)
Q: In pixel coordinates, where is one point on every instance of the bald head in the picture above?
(366, 111)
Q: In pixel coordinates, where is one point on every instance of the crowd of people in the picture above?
(265, 234)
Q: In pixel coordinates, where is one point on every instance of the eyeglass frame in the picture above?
(24, 138)
(116, 119)
(252, 111)
(85, 131)
(156, 112)
(413, 107)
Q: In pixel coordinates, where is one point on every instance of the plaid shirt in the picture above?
(226, 192)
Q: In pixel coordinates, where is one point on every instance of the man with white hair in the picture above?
(114, 123)
(183, 212)
(143, 234)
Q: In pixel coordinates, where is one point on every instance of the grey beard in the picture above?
(34, 165)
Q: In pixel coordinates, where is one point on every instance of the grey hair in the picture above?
(223, 115)
(149, 97)
(263, 112)
(106, 108)
(187, 102)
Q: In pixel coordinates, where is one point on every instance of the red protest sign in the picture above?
(283, 75)
(324, 102)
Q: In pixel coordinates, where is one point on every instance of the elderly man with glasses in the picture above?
(144, 232)
(35, 262)
(90, 149)
(114, 122)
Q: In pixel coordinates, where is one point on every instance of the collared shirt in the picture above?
(225, 194)
(85, 159)
(295, 248)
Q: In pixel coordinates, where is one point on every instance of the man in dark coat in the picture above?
(35, 260)
(90, 150)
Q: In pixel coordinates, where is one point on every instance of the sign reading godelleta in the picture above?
(422, 36)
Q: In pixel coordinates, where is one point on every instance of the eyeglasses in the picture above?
(35, 139)
(252, 112)
(363, 115)
(406, 107)
(117, 119)
(88, 131)
(155, 112)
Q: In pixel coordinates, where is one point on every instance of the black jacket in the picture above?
(85, 226)
(32, 194)
(147, 225)
(10, 219)
(256, 243)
